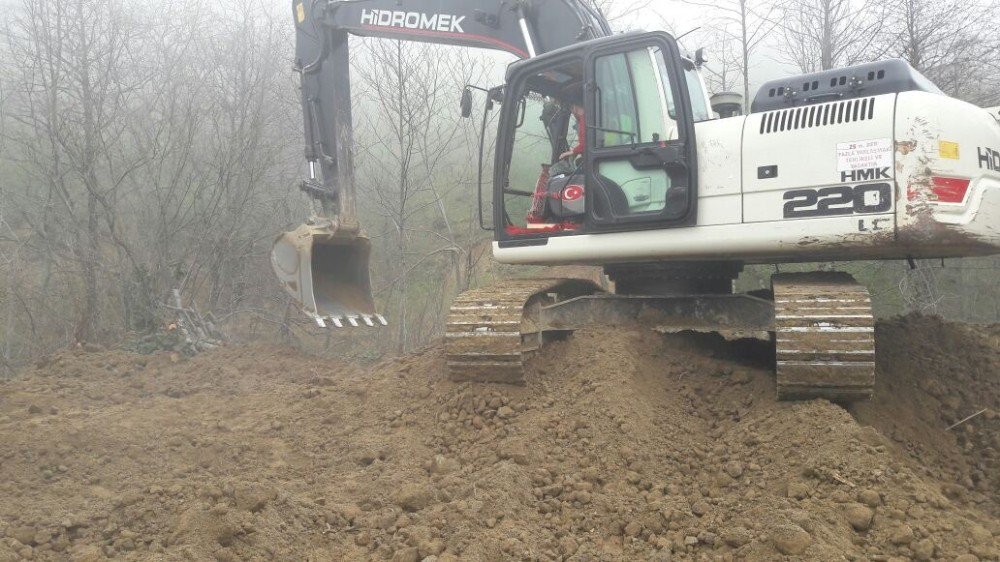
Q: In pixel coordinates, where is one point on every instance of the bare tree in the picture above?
(72, 58)
(621, 13)
(10, 248)
(139, 164)
(410, 131)
(740, 26)
(952, 44)
(724, 70)
(825, 34)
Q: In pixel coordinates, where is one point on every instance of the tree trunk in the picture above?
(88, 161)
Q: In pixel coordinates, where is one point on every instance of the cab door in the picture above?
(640, 157)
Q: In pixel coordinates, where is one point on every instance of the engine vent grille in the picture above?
(810, 116)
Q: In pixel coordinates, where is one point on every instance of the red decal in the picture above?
(950, 190)
(572, 193)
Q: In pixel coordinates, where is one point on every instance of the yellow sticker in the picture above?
(948, 149)
(300, 12)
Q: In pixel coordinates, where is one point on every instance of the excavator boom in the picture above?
(323, 264)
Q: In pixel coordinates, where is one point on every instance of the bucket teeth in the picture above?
(352, 321)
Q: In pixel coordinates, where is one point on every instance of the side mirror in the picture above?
(494, 96)
(699, 57)
(467, 103)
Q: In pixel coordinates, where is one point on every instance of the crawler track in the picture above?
(491, 332)
(825, 337)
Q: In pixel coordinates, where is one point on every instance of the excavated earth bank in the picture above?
(622, 446)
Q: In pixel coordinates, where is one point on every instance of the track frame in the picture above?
(821, 324)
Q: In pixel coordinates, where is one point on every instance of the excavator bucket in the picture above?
(327, 274)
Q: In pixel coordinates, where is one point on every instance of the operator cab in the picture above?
(598, 137)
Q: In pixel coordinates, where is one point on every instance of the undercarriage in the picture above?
(821, 323)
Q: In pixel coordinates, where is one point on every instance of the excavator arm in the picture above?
(324, 263)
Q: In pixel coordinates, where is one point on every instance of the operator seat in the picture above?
(609, 199)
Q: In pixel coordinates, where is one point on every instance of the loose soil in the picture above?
(622, 446)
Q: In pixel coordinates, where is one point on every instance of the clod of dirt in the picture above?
(901, 535)
(871, 498)
(443, 465)
(924, 550)
(790, 539)
(252, 497)
(737, 537)
(859, 517)
(414, 497)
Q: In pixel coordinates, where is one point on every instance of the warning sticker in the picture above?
(948, 149)
(864, 155)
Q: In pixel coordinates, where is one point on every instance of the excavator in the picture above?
(609, 153)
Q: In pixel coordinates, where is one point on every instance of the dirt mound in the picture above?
(932, 376)
(622, 446)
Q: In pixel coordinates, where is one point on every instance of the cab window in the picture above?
(634, 99)
(635, 106)
(544, 189)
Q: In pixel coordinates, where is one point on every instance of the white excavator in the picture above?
(609, 153)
